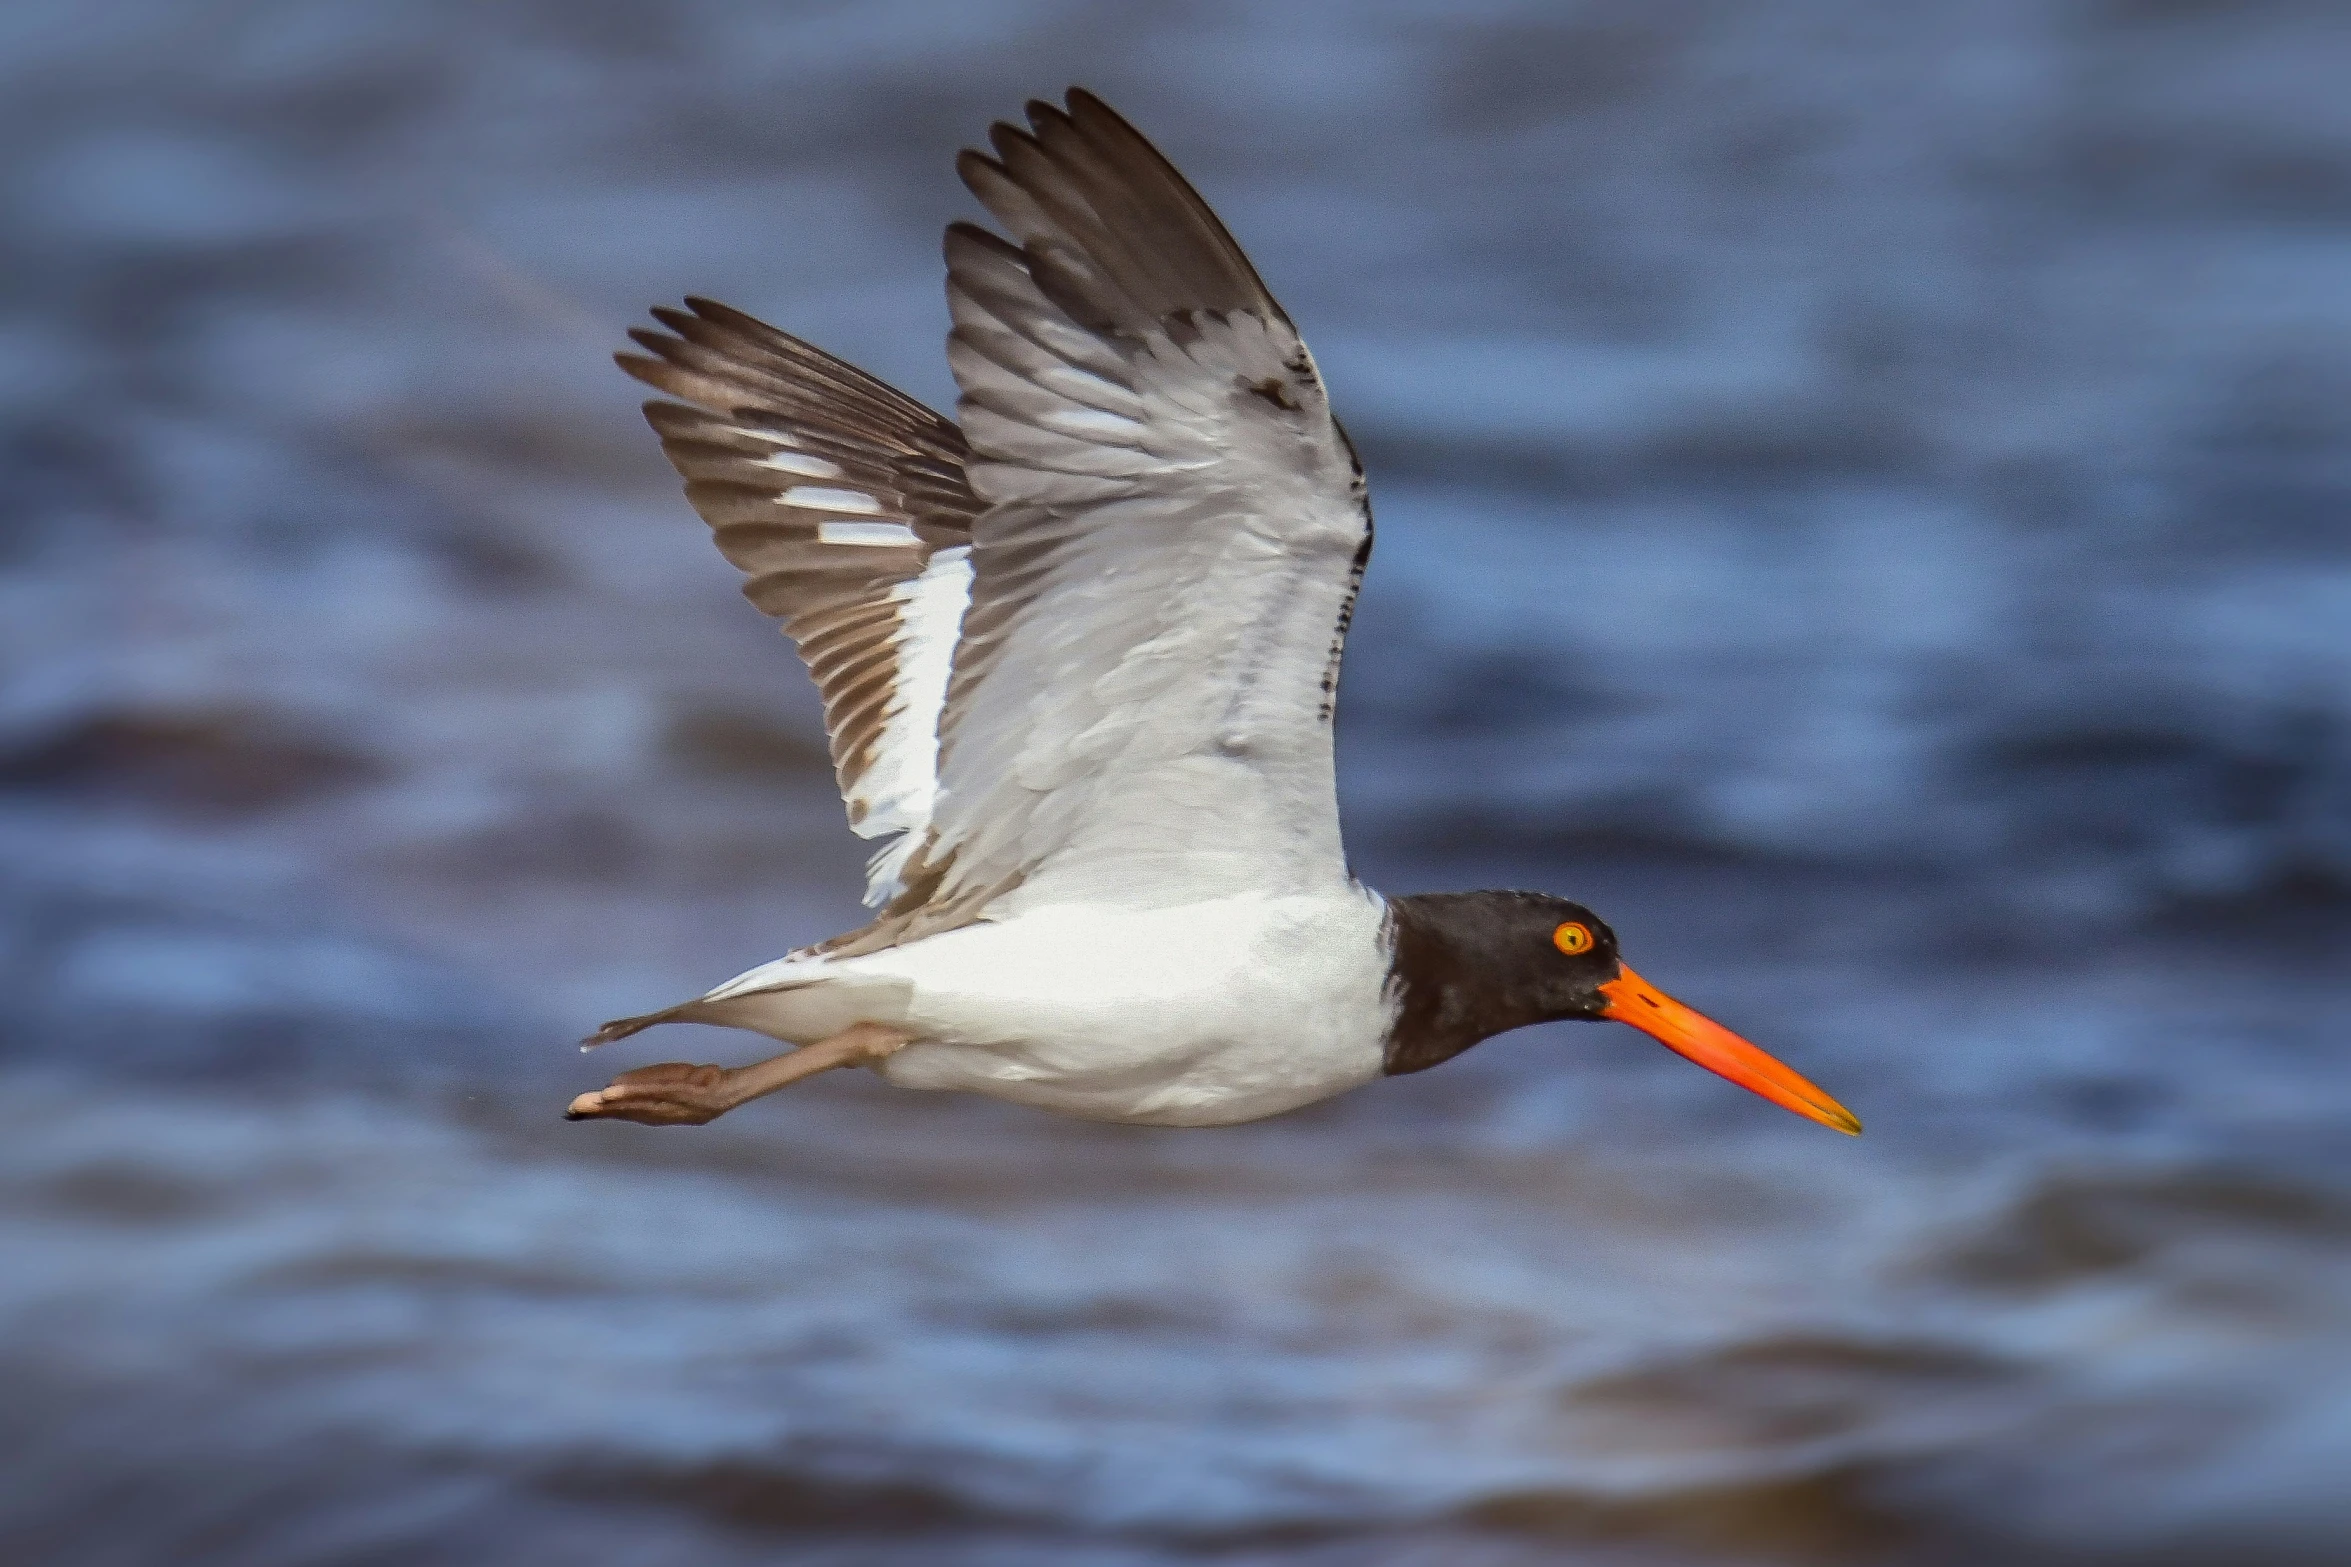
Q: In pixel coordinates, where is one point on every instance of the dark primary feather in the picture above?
(1107, 224)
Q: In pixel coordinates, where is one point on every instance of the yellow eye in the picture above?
(1572, 938)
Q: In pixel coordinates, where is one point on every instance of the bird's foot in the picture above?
(674, 1093)
(679, 1093)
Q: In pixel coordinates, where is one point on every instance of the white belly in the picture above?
(1198, 1015)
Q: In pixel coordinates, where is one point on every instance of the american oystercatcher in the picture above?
(1078, 655)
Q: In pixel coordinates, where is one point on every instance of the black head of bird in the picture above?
(1470, 965)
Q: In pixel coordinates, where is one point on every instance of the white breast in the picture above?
(1197, 1015)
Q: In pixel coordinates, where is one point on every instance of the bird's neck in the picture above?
(1447, 992)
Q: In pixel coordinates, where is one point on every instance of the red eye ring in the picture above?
(1572, 938)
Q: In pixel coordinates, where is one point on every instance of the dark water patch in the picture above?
(1730, 454)
(2143, 15)
(1502, 691)
(1747, 449)
(778, 1500)
(2073, 1228)
(1829, 1516)
(863, 1140)
(439, 1275)
(746, 743)
(268, 1046)
(1780, 1392)
(777, 1497)
(2179, 808)
(220, 762)
(489, 555)
(2266, 512)
(1121, 1315)
(1648, 828)
(114, 1192)
(2122, 785)
(122, 981)
(2297, 910)
(64, 475)
(149, 304)
(1401, 454)
(2113, 1103)
(546, 447)
(2171, 175)
(2263, 475)
(576, 839)
(451, 507)
(1525, 73)
(168, 1484)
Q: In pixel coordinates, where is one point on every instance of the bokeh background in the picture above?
(1863, 497)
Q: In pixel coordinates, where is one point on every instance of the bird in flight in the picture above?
(1079, 651)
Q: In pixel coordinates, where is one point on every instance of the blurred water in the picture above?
(1861, 499)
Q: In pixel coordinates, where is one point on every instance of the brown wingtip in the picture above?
(1042, 112)
(653, 372)
(1004, 136)
(970, 158)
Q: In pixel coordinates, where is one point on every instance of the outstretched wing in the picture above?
(845, 505)
(1140, 707)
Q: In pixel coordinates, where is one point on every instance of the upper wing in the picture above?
(1141, 700)
(845, 505)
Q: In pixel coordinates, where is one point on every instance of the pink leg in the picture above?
(677, 1093)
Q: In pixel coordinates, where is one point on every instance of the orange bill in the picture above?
(1632, 999)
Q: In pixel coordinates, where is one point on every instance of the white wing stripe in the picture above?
(811, 497)
(800, 464)
(893, 535)
(897, 792)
